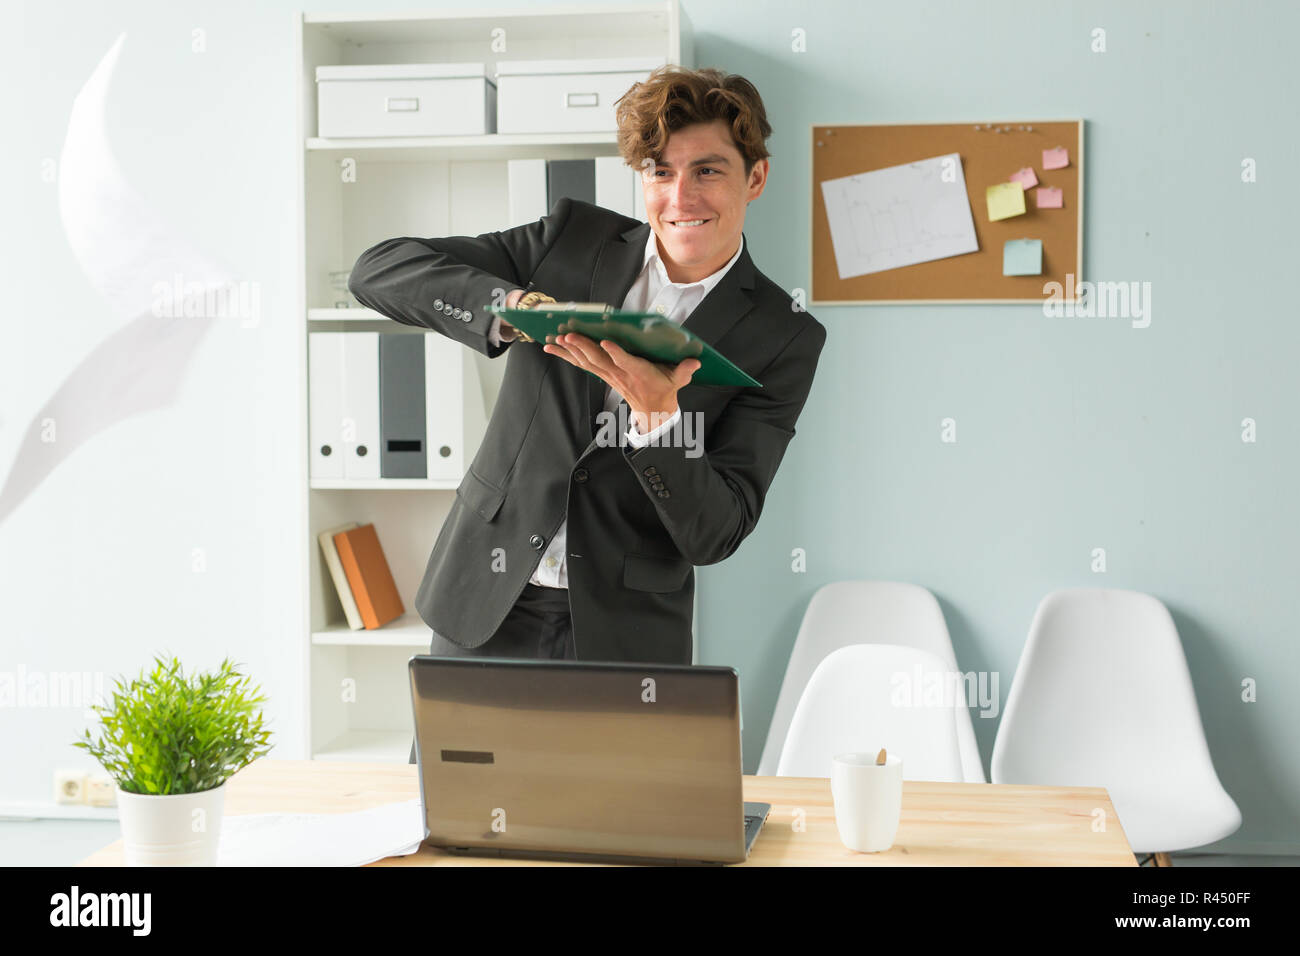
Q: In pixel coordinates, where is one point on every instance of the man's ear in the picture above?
(757, 180)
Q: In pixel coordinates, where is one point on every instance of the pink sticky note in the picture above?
(1049, 197)
(1025, 177)
(1057, 158)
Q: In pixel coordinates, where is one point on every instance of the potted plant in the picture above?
(170, 743)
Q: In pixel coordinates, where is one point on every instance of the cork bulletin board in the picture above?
(990, 154)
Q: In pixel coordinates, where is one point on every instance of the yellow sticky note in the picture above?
(1005, 200)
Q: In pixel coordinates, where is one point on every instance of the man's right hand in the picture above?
(508, 331)
(512, 301)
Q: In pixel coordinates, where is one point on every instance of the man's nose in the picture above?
(683, 189)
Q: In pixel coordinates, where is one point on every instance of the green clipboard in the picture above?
(648, 335)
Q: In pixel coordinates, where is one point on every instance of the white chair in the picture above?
(867, 696)
(865, 612)
(1103, 698)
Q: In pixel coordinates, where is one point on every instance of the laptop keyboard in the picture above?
(755, 815)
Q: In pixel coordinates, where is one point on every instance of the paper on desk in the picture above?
(321, 839)
(899, 216)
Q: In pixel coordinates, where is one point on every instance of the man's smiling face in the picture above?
(695, 199)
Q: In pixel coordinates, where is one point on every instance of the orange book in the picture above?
(367, 570)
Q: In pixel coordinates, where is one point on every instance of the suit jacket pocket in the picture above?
(644, 572)
(484, 498)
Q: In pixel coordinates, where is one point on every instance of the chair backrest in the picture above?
(1102, 697)
(846, 613)
(867, 696)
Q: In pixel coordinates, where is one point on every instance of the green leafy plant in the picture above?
(168, 734)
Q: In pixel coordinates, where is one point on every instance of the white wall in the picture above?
(98, 563)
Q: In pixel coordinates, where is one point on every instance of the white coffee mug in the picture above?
(868, 800)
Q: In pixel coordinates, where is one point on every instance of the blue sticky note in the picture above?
(1022, 257)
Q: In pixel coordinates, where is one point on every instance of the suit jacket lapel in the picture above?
(618, 265)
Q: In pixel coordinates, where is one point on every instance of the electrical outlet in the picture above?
(101, 791)
(70, 786)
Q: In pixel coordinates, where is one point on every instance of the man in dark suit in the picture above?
(570, 538)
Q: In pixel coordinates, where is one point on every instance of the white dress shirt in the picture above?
(651, 292)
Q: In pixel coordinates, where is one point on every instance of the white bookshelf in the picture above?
(407, 631)
(494, 146)
(362, 746)
(330, 314)
(382, 484)
(358, 192)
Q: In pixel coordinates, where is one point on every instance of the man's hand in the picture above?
(508, 331)
(650, 388)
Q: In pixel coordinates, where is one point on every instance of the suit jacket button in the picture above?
(537, 541)
(580, 475)
(455, 313)
(652, 470)
(662, 493)
(446, 308)
(437, 304)
(467, 316)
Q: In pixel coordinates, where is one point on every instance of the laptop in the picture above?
(587, 761)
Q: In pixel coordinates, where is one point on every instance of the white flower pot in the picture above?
(176, 830)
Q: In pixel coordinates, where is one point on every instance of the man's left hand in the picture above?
(650, 388)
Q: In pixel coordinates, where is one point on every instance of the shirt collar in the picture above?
(708, 282)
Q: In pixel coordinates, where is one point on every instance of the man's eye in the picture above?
(708, 169)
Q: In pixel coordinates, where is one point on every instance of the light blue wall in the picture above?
(1072, 434)
(1075, 433)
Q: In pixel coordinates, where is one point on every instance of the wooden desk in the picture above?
(943, 824)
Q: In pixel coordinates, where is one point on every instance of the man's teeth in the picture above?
(688, 222)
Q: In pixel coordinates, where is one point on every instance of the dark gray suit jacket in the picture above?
(638, 519)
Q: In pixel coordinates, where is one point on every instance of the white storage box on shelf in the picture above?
(405, 99)
(565, 96)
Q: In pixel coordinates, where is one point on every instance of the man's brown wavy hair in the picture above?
(674, 96)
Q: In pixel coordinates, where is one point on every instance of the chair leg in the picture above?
(1162, 859)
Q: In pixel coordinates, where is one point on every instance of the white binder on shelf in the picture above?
(614, 185)
(325, 402)
(638, 198)
(455, 417)
(360, 419)
(526, 188)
